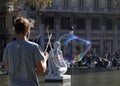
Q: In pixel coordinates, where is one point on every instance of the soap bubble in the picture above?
(74, 48)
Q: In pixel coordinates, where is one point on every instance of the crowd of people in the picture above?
(110, 59)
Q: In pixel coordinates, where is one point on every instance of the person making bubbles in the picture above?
(23, 58)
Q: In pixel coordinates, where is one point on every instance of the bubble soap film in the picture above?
(74, 48)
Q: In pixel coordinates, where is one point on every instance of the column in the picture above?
(115, 34)
(41, 31)
(89, 3)
(88, 27)
(102, 21)
(103, 3)
(57, 26)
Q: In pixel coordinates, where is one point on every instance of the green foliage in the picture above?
(118, 3)
(39, 3)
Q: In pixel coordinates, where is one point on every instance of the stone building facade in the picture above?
(95, 20)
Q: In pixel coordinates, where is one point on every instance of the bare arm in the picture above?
(42, 65)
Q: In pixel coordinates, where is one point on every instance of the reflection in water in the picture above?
(67, 83)
(99, 78)
(4, 81)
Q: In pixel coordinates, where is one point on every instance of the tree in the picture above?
(21, 5)
(39, 3)
(118, 3)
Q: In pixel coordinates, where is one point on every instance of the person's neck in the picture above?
(21, 37)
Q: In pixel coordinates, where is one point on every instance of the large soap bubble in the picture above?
(74, 48)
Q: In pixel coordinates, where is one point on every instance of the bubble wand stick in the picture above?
(55, 61)
(49, 38)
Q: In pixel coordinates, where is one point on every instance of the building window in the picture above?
(66, 3)
(2, 2)
(109, 4)
(80, 24)
(96, 47)
(2, 5)
(80, 3)
(65, 23)
(96, 4)
(2, 23)
(109, 24)
(108, 45)
(95, 24)
(49, 21)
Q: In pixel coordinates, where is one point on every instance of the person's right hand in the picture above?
(46, 55)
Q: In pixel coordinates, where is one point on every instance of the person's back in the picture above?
(20, 56)
(23, 58)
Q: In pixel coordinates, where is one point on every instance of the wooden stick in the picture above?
(49, 38)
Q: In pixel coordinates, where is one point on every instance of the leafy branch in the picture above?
(39, 3)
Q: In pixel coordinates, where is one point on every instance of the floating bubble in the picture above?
(74, 48)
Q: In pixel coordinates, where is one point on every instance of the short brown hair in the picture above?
(21, 25)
